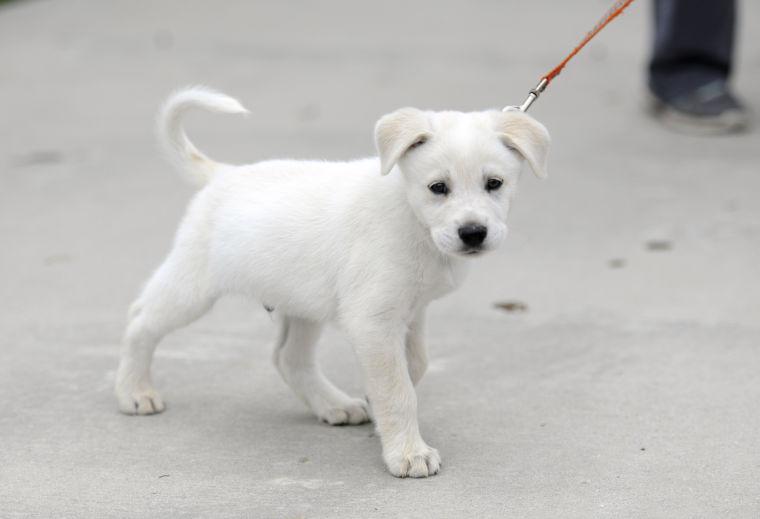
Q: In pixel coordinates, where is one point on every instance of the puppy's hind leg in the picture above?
(176, 295)
(296, 359)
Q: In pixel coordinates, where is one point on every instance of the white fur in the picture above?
(335, 241)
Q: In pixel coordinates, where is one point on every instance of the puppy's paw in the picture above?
(351, 412)
(420, 461)
(140, 401)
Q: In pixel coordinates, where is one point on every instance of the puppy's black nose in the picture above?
(473, 234)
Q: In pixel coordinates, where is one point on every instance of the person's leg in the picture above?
(692, 61)
(693, 44)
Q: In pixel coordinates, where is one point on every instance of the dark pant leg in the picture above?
(693, 45)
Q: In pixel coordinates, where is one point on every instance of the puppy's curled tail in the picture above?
(195, 166)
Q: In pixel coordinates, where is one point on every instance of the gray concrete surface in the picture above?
(629, 387)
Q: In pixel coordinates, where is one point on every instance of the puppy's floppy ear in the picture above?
(397, 132)
(529, 137)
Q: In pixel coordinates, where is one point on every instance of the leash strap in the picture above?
(617, 8)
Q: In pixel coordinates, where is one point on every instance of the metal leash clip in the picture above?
(532, 96)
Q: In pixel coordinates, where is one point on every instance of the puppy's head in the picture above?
(461, 170)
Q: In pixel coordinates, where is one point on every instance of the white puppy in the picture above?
(365, 244)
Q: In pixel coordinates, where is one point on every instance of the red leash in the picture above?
(613, 12)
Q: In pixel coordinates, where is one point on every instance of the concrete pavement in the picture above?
(628, 388)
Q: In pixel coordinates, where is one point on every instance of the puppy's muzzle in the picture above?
(473, 235)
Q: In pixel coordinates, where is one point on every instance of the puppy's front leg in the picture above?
(416, 350)
(380, 348)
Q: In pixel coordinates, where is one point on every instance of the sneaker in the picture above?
(709, 110)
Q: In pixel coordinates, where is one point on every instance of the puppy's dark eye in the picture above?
(492, 184)
(418, 142)
(439, 188)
